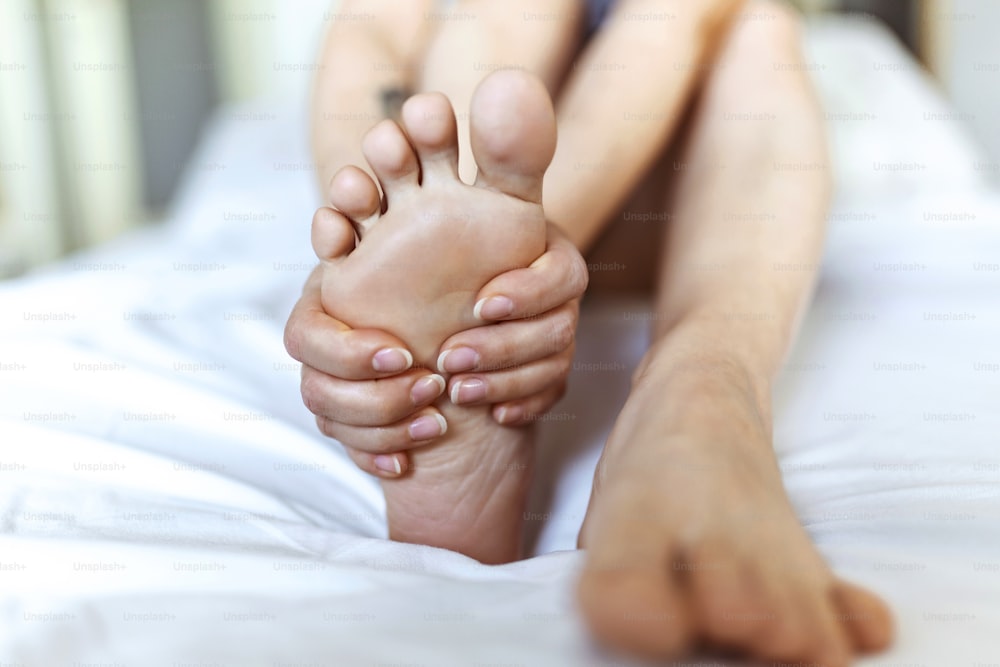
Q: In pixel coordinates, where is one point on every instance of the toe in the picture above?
(628, 594)
(513, 131)
(430, 124)
(804, 627)
(354, 193)
(865, 617)
(392, 158)
(724, 593)
(828, 640)
(332, 234)
(634, 610)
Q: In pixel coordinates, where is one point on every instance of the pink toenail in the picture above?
(392, 360)
(426, 389)
(427, 427)
(468, 391)
(457, 360)
(493, 308)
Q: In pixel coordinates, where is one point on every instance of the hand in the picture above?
(362, 388)
(521, 363)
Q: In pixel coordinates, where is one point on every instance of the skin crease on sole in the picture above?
(425, 253)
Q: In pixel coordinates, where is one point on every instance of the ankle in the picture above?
(690, 372)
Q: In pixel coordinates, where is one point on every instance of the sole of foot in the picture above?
(428, 243)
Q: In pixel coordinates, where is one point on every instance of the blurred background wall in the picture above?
(102, 101)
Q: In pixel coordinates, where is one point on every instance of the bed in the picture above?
(165, 499)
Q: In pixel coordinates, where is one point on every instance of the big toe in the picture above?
(637, 611)
(627, 592)
(513, 132)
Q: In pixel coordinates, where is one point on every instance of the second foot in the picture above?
(693, 543)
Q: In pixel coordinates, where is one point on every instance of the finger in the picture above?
(388, 466)
(418, 429)
(328, 345)
(558, 276)
(514, 383)
(532, 409)
(369, 402)
(510, 344)
(864, 616)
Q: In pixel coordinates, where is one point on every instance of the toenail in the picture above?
(426, 389)
(389, 464)
(392, 360)
(458, 359)
(493, 308)
(468, 391)
(428, 426)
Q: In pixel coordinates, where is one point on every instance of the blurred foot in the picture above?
(692, 541)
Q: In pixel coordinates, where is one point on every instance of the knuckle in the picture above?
(563, 329)
(382, 412)
(325, 426)
(293, 338)
(574, 308)
(564, 365)
(579, 275)
(383, 440)
(312, 392)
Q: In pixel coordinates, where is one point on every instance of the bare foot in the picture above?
(692, 541)
(416, 272)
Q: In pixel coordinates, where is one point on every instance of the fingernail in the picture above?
(389, 464)
(508, 415)
(458, 359)
(392, 360)
(426, 389)
(468, 391)
(427, 427)
(493, 308)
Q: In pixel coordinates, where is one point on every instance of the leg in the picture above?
(691, 537)
(540, 38)
(416, 272)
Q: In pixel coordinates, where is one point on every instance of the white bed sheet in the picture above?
(166, 500)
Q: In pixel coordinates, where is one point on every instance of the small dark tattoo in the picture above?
(392, 101)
